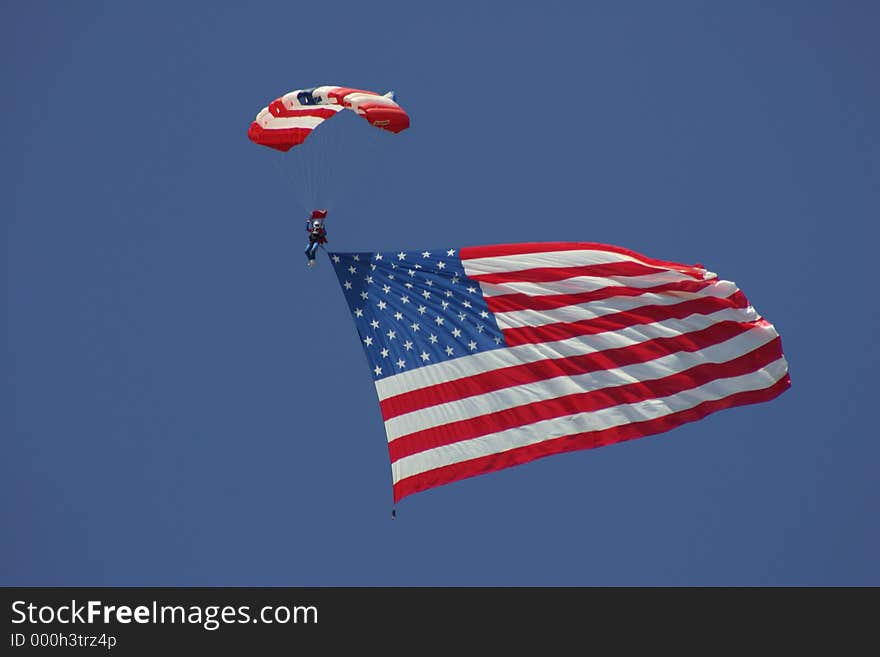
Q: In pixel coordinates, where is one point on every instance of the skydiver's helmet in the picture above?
(317, 222)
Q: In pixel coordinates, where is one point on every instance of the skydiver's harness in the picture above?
(318, 234)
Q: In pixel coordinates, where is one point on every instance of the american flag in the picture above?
(488, 357)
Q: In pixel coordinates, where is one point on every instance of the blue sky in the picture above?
(185, 403)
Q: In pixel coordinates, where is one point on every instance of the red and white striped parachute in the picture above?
(288, 121)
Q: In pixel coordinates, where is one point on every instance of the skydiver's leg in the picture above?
(314, 251)
(310, 252)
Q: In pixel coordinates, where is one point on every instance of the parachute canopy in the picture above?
(288, 121)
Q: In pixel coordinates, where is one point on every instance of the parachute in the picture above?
(287, 121)
(342, 164)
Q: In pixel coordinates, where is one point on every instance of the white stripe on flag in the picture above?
(550, 259)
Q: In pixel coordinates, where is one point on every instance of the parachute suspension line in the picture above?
(281, 168)
(327, 149)
(310, 168)
(298, 177)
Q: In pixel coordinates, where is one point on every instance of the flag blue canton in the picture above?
(414, 308)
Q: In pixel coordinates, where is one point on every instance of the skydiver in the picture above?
(317, 234)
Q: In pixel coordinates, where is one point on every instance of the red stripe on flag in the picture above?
(616, 321)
